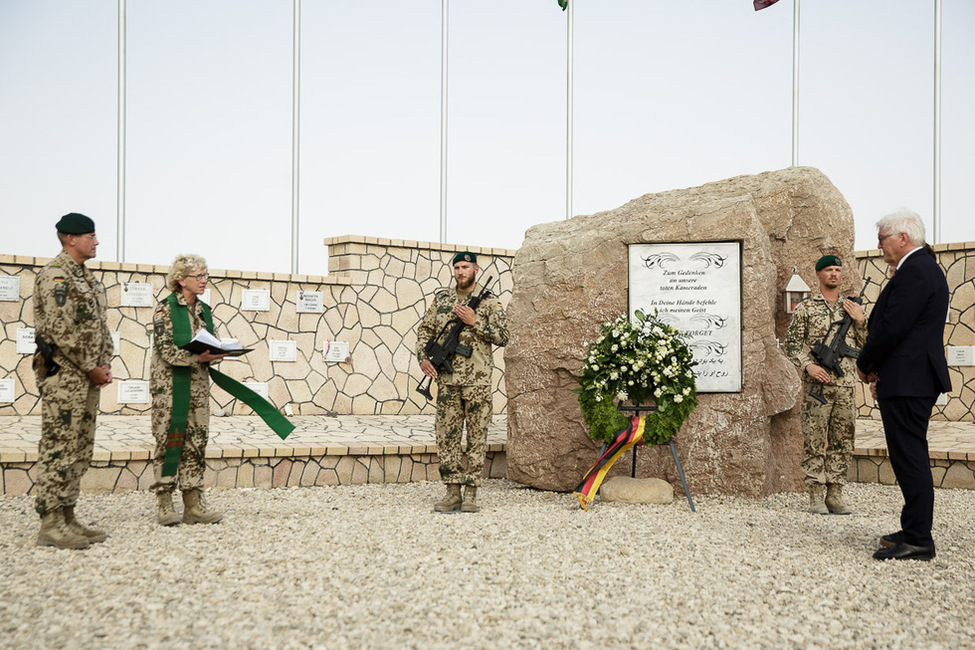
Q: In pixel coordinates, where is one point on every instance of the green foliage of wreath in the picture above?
(637, 361)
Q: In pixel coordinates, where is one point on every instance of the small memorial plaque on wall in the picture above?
(259, 387)
(25, 340)
(310, 302)
(336, 351)
(256, 300)
(7, 390)
(695, 287)
(205, 297)
(133, 391)
(282, 350)
(9, 288)
(137, 294)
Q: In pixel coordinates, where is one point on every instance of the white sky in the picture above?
(667, 95)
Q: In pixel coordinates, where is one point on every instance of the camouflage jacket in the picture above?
(165, 354)
(71, 312)
(810, 323)
(490, 328)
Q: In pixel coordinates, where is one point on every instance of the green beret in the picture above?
(75, 224)
(465, 256)
(828, 260)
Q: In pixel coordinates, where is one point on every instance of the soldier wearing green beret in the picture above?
(72, 362)
(827, 429)
(463, 396)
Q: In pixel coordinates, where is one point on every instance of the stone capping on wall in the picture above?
(162, 269)
(345, 252)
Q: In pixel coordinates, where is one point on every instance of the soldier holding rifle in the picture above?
(824, 338)
(463, 380)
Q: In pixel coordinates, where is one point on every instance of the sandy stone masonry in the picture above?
(375, 294)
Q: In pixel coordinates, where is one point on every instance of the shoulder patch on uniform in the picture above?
(61, 293)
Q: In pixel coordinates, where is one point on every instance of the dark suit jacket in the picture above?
(905, 333)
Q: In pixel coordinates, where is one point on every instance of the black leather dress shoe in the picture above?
(905, 551)
(893, 539)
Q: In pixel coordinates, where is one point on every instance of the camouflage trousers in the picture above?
(827, 435)
(192, 461)
(455, 406)
(69, 405)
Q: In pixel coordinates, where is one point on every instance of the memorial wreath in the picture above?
(637, 361)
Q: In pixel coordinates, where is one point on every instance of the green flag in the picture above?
(564, 4)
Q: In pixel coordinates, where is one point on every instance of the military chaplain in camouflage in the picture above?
(187, 280)
(465, 394)
(827, 429)
(73, 360)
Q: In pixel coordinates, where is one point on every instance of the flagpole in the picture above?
(120, 156)
(936, 223)
(295, 132)
(795, 83)
(443, 122)
(568, 112)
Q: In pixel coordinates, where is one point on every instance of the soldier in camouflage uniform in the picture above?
(74, 353)
(465, 394)
(187, 280)
(827, 429)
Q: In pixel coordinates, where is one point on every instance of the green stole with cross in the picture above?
(183, 334)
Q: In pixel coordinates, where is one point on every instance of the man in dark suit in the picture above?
(904, 355)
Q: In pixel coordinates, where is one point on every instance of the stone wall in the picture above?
(375, 294)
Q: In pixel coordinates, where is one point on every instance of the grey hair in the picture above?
(181, 268)
(903, 221)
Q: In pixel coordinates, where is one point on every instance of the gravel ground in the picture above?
(373, 567)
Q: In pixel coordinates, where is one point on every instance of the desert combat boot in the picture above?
(166, 513)
(470, 499)
(834, 500)
(55, 532)
(817, 503)
(93, 535)
(195, 509)
(451, 502)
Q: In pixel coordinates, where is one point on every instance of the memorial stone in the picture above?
(571, 276)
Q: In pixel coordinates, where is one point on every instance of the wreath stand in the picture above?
(673, 451)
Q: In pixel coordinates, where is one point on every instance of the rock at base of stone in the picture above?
(623, 489)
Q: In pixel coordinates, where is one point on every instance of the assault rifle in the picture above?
(440, 354)
(828, 355)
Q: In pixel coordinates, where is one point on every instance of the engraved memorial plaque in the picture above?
(255, 300)
(133, 391)
(9, 288)
(695, 287)
(310, 302)
(25, 340)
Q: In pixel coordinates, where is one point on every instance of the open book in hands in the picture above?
(204, 341)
